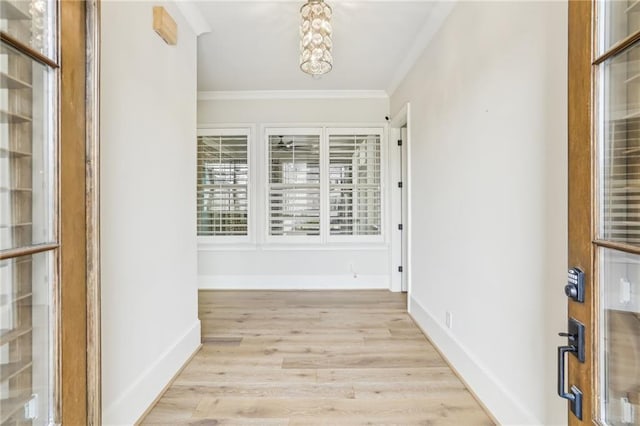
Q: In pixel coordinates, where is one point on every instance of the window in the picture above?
(294, 183)
(320, 185)
(223, 183)
(325, 184)
(354, 184)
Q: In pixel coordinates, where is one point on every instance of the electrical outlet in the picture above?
(353, 270)
(449, 320)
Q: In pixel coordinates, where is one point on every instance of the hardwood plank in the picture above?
(364, 361)
(337, 409)
(298, 331)
(267, 390)
(385, 375)
(313, 357)
(239, 374)
(221, 341)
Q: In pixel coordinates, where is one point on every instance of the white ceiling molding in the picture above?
(193, 16)
(435, 20)
(291, 94)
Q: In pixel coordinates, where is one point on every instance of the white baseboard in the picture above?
(497, 399)
(293, 282)
(133, 402)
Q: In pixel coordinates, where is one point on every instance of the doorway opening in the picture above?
(400, 199)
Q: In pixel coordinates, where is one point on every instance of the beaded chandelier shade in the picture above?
(315, 33)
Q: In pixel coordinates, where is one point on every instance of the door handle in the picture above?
(574, 395)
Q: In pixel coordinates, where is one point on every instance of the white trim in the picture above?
(395, 210)
(352, 246)
(499, 400)
(192, 14)
(293, 282)
(212, 246)
(381, 132)
(202, 126)
(290, 94)
(436, 18)
(400, 119)
(409, 233)
(249, 131)
(135, 400)
(298, 1)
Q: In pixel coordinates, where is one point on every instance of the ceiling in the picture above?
(253, 45)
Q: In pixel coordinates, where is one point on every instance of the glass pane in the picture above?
(619, 320)
(26, 346)
(223, 185)
(354, 185)
(31, 22)
(294, 180)
(26, 151)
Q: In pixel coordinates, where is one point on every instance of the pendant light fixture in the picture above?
(315, 38)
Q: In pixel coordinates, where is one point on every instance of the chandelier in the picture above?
(315, 33)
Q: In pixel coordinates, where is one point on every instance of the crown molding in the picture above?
(291, 94)
(436, 18)
(193, 16)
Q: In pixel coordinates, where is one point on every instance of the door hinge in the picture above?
(399, 142)
(399, 227)
(399, 268)
(399, 184)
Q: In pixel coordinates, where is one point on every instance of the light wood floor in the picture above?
(308, 358)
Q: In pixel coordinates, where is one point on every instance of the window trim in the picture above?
(258, 237)
(232, 130)
(374, 130)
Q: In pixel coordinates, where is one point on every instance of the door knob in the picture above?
(571, 290)
(575, 285)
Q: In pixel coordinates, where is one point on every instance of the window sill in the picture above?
(355, 246)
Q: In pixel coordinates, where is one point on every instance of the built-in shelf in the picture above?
(12, 369)
(7, 152)
(9, 82)
(8, 10)
(12, 117)
(12, 405)
(634, 7)
(7, 336)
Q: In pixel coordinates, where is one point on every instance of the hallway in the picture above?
(313, 357)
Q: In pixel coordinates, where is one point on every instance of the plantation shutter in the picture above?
(223, 185)
(354, 184)
(294, 185)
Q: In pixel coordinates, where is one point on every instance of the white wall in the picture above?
(489, 141)
(261, 265)
(149, 273)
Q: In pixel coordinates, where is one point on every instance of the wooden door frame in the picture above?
(581, 252)
(94, 337)
(79, 294)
